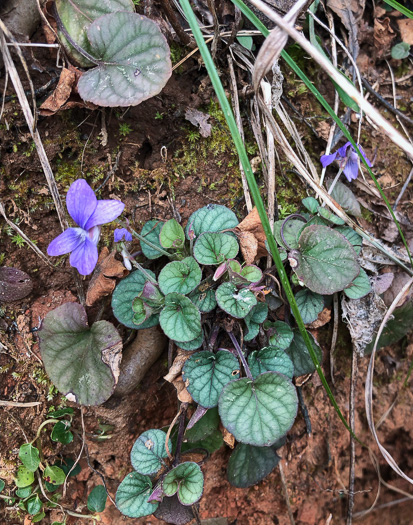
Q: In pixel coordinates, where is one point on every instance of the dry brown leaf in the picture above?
(183, 395)
(383, 35)
(103, 279)
(323, 318)
(197, 118)
(177, 365)
(60, 95)
(252, 246)
(406, 30)
(227, 436)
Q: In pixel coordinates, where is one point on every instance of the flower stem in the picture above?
(330, 190)
(241, 355)
(181, 431)
(138, 266)
(142, 239)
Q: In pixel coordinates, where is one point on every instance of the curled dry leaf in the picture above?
(381, 283)
(383, 35)
(183, 395)
(197, 118)
(323, 318)
(103, 279)
(228, 438)
(60, 95)
(177, 365)
(251, 237)
(14, 284)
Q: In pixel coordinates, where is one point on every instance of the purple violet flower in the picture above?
(349, 160)
(122, 234)
(89, 214)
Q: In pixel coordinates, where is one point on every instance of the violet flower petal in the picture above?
(66, 242)
(351, 169)
(81, 202)
(84, 257)
(342, 152)
(326, 160)
(122, 234)
(105, 211)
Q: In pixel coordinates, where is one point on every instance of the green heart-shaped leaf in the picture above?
(33, 505)
(141, 311)
(258, 412)
(211, 443)
(311, 204)
(211, 218)
(205, 301)
(3, 484)
(252, 273)
(29, 456)
(326, 262)
(310, 304)
(54, 475)
(257, 316)
(96, 501)
(134, 60)
(204, 427)
(132, 496)
(237, 303)
(148, 452)
(180, 319)
(77, 16)
(207, 373)
(299, 355)
(248, 465)
(172, 235)
(400, 50)
(330, 216)
(270, 359)
(346, 198)
(123, 297)
(280, 334)
(353, 237)
(214, 248)
(150, 232)
(187, 480)
(180, 276)
(61, 432)
(291, 233)
(192, 345)
(359, 287)
(24, 477)
(79, 360)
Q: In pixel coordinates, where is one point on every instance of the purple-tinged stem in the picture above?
(241, 355)
(213, 337)
(181, 431)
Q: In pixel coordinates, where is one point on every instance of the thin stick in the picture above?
(24, 236)
(354, 371)
(409, 178)
(11, 68)
(334, 337)
(16, 404)
(285, 492)
(171, 426)
(235, 107)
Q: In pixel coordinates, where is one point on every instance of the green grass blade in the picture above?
(255, 192)
(400, 8)
(297, 70)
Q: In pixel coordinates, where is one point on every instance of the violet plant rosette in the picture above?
(89, 214)
(348, 159)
